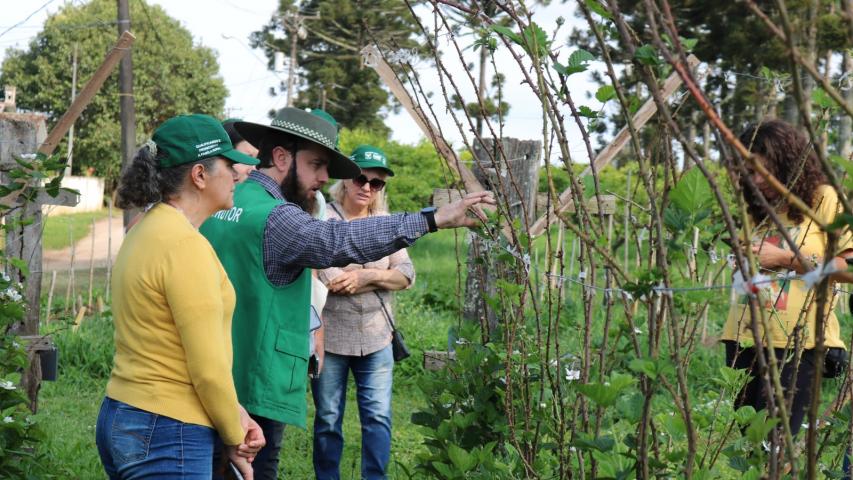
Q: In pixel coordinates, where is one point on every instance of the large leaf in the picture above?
(647, 55)
(461, 459)
(692, 193)
(578, 62)
(605, 93)
(606, 394)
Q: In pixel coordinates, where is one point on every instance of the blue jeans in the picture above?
(135, 444)
(373, 375)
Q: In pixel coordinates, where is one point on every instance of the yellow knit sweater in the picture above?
(172, 304)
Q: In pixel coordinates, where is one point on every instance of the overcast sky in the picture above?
(225, 25)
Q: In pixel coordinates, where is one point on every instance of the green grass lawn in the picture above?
(60, 229)
(68, 407)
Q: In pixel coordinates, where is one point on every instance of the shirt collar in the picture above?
(268, 183)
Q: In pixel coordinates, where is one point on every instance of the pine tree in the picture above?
(329, 36)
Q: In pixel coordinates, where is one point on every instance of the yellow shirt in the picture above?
(789, 303)
(172, 305)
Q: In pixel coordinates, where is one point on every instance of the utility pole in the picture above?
(127, 109)
(73, 96)
(294, 23)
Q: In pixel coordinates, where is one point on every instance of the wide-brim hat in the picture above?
(368, 156)
(308, 126)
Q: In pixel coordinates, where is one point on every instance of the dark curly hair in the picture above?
(144, 182)
(789, 156)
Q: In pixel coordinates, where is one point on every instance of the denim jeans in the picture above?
(135, 444)
(373, 375)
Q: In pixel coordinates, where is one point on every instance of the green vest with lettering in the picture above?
(270, 326)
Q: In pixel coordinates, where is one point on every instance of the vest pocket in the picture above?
(292, 359)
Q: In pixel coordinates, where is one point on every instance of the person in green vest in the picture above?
(167, 401)
(268, 241)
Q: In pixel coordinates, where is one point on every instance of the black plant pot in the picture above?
(49, 360)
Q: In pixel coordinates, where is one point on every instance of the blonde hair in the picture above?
(378, 204)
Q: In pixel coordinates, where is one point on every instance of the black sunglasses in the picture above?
(376, 184)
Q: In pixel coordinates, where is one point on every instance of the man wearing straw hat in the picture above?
(268, 241)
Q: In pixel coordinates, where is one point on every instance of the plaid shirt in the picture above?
(294, 240)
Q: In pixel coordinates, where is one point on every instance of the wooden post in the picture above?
(21, 134)
(50, 297)
(24, 134)
(91, 267)
(121, 48)
(69, 289)
(522, 166)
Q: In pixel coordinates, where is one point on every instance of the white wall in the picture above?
(91, 196)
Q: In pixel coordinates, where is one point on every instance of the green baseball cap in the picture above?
(368, 156)
(190, 138)
(314, 127)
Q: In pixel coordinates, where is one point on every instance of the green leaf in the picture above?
(578, 61)
(580, 57)
(689, 43)
(605, 93)
(585, 441)
(598, 8)
(644, 366)
(647, 55)
(759, 427)
(606, 394)
(822, 99)
(693, 192)
(508, 33)
(587, 112)
(443, 469)
(536, 38)
(461, 459)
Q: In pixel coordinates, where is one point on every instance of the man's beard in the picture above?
(293, 192)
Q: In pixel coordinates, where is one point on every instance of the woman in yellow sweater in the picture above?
(171, 390)
(787, 317)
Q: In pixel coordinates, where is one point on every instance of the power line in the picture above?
(28, 17)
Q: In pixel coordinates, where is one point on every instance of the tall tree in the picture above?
(329, 36)
(749, 68)
(172, 75)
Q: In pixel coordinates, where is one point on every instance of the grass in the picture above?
(69, 406)
(60, 229)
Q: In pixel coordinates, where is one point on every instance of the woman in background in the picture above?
(357, 321)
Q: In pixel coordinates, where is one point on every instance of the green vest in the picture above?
(270, 326)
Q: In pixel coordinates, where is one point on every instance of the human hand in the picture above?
(241, 462)
(455, 214)
(348, 282)
(770, 256)
(254, 440)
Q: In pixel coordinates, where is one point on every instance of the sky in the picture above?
(225, 25)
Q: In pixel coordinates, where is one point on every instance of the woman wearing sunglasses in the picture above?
(357, 321)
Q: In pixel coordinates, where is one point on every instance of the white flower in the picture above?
(8, 420)
(572, 374)
(7, 385)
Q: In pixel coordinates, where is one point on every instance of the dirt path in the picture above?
(61, 259)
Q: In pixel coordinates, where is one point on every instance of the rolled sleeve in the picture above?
(401, 262)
